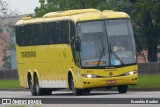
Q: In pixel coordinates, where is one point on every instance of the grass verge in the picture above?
(9, 84)
(151, 81)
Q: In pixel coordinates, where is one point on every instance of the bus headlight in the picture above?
(131, 73)
(89, 76)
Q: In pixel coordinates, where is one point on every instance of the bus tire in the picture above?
(31, 86)
(86, 91)
(75, 91)
(123, 88)
(37, 88)
(47, 91)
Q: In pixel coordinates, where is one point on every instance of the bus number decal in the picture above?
(28, 54)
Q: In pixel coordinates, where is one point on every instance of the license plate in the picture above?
(111, 81)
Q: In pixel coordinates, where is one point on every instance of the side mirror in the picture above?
(77, 43)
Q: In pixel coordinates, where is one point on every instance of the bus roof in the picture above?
(75, 15)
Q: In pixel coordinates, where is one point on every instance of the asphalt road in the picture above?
(94, 95)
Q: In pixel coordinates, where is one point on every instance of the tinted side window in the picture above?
(49, 32)
(65, 32)
(35, 34)
(28, 35)
(62, 32)
(72, 30)
(58, 37)
(41, 37)
(44, 33)
(20, 35)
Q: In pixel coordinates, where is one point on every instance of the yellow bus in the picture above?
(75, 49)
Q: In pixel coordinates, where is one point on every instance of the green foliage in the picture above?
(9, 84)
(118, 5)
(146, 15)
(61, 5)
(148, 81)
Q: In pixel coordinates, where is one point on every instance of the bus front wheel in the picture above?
(86, 91)
(123, 88)
(75, 90)
(47, 91)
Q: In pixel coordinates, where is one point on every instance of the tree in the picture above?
(61, 5)
(118, 5)
(3, 10)
(147, 21)
(5, 13)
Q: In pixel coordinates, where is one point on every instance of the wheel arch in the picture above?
(29, 75)
(32, 75)
(35, 74)
(70, 73)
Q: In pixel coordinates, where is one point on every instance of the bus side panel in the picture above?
(61, 80)
(51, 63)
(67, 61)
(51, 74)
(22, 76)
(48, 75)
(27, 57)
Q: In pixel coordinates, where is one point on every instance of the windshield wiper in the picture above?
(117, 57)
(101, 55)
(115, 54)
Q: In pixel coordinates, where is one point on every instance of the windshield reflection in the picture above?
(92, 36)
(120, 35)
(104, 44)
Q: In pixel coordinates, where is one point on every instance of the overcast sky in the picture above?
(23, 6)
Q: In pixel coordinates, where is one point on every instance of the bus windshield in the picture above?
(106, 43)
(120, 35)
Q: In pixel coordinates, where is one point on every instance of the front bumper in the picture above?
(110, 81)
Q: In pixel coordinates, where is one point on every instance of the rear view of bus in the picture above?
(100, 53)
